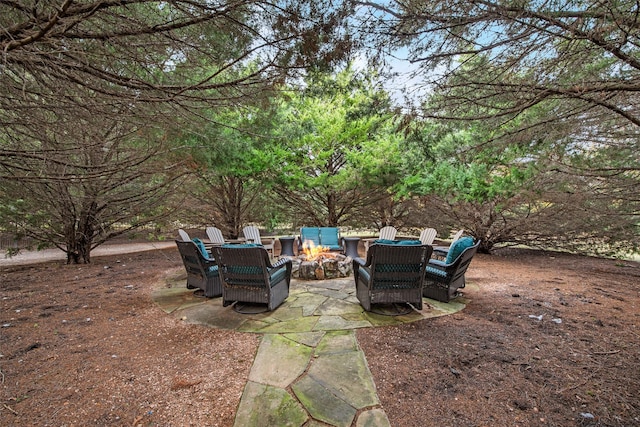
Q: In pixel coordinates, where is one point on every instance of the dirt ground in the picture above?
(547, 340)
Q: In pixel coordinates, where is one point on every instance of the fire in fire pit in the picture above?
(313, 252)
(317, 262)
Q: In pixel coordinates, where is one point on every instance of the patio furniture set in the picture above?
(393, 271)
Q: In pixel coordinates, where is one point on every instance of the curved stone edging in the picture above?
(320, 305)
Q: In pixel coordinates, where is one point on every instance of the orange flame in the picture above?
(313, 252)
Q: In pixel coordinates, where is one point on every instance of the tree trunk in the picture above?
(332, 209)
(78, 249)
(79, 234)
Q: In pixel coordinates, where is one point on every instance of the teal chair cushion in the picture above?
(436, 272)
(276, 275)
(398, 242)
(364, 273)
(310, 233)
(457, 248)
(213, 271)
(200, 246)
(329, 236)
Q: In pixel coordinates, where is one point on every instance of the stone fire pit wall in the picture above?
(322, 268)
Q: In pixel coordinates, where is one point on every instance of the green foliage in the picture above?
(337, 147)
(535, 124)
(529, 194)
(95, 181)
(231, 157)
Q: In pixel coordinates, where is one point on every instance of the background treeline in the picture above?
(521, 126)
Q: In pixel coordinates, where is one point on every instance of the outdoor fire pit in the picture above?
(317, 263)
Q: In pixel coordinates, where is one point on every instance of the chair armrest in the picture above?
(441, 250)
(210, 262)
(360, 261)
(281, 262)
(210, 258)
(438, 264)
(369, 242)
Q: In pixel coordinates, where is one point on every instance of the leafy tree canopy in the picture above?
(337, 147)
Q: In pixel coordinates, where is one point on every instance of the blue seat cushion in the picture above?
(241, 245)
(329, 236)
(364, 273)
(457, 248)
(276, 275)
(200, 246)
(436, 272)
(213, 271)
(398, 242)
(310, 234)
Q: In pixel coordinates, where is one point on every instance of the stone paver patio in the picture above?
(309, 369)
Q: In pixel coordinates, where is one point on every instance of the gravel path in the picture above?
(32, 257)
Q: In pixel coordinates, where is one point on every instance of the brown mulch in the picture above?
(547, 340)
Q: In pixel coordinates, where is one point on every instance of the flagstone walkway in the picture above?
(309, 369)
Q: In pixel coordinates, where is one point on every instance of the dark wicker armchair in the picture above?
(444, 278)
(202, 272)
(248, 275)
(391, 274)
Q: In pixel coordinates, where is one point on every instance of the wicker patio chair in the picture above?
(202, 272)
(252, 235)
(444, 278)
(392, 273)
(249, 277)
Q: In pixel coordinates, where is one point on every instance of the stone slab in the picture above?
(337, 342)
(373, 418)
(322, 404)
(262, 405)
(214, 315)
(291, 361)
(334, 323)
(172, 299)
(307, 338)
(347, 376)
(338, 307)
